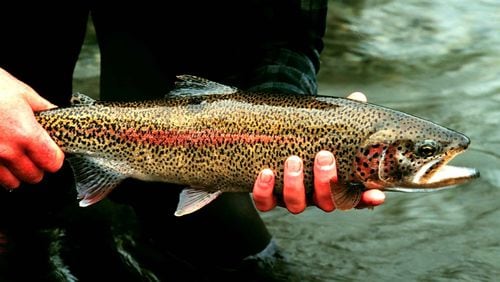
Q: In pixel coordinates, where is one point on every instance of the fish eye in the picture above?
(427, 148)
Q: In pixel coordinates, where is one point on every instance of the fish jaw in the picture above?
(447, 176)
(452, 175)
(442, 177)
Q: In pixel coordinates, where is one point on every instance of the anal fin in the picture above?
(191, 200)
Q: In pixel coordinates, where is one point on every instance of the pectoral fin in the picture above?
(346, 197)
(94, 180)
(191, 200)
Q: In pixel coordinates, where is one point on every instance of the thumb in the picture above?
(37, 102)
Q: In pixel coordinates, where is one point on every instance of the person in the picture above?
(131, 236)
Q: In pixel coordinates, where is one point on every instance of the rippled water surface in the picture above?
(436, 59)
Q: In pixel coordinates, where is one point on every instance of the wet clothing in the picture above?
(132, 235)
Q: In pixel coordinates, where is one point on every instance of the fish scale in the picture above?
(215, 138)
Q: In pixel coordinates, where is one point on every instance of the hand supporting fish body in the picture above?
(214, 139)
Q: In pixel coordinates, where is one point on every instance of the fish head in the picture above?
(409, 154)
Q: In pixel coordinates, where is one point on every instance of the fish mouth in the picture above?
(437, 175)
(452, 175)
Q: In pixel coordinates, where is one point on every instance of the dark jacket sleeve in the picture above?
(290, 60)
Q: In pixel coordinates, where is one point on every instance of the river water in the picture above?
(435, 59)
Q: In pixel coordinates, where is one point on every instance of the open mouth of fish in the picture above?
(437, 175)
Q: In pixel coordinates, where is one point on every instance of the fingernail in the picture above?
(325, 159)
(294, 164)
(357, 96)
(266, 176)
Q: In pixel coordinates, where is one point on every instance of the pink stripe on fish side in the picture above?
(200, 137)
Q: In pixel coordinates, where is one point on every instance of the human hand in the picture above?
(26, 150)
(294, 195)
(325, 172)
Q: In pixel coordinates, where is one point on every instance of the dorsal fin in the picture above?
(189, 85)
(79, 99)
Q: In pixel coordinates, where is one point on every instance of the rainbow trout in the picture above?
(215, 138)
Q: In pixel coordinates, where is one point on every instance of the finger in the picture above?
(357, 96)
(25, 170)
(7, 179)
(325, 171)
(263, 196)
(37, 102)
(293, 188)
(45, 153)
(371, 198)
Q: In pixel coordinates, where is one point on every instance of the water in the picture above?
(436, 59)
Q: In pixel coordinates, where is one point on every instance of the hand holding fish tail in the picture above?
(26, 150)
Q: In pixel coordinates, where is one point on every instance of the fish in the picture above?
(214, 138)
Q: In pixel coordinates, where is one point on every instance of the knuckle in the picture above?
(262, 190)
(56, 164)
(261, 201)
(324, 202)
(294, 186)
(294, 197)
(7, 154)
(258, 198)
(23, 135)
(35, 177)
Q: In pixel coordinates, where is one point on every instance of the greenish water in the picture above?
(436, 59)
